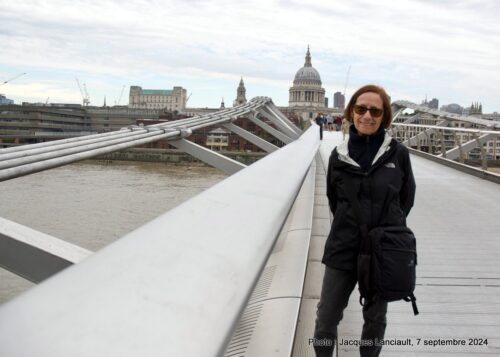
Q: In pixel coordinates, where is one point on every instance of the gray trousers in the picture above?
(337, 287)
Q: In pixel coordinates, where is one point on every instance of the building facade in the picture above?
(338, 100)
(452, 108)
(5, 101)
(433, 104)
(35, 123)
(173, 100)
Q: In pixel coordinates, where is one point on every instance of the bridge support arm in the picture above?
(34, 255)
(210, 157)
(468, 146)
(254, 139)
(272, 108)
(276, 133)
(414, 140)
(278, 122)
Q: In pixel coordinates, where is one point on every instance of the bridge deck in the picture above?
(456, 222)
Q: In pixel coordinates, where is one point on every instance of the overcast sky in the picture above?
(445, 49)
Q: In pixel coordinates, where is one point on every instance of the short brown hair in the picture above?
(387, 116)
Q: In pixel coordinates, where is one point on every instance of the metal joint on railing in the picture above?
(185, 132)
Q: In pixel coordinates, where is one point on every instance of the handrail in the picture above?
(443, 114)
(440, 128)
(175, 286)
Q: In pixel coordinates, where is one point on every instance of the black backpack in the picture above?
(387, 260)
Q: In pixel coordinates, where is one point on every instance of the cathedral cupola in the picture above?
(306, 89)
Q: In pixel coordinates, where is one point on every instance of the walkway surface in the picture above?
(457, 224)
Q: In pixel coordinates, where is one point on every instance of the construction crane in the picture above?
(117, 102)
(85, 97)
(347, 79)
(11, 79)
(86, 93)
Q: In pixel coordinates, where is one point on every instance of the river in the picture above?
(93, 203)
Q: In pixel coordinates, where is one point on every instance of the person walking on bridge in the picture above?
(320, 121)
(378, 170)
(345, 128)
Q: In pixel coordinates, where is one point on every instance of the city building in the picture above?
(218, 139)
(475, 109)
(338, 100)
(173, 100)
(33, 123)
(452, 108)
(492, 116)
(5, 101)
(434, 103)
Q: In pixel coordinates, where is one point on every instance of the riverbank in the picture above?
(173, 156)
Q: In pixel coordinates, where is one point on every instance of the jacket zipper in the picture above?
(400, 250)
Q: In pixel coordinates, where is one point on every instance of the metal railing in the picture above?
(449, 142)
(400, 104)
(23, 160)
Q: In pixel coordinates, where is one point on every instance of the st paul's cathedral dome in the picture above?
(306, 89)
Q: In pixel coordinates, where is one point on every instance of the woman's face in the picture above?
(367, 122)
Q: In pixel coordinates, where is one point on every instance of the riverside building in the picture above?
(169, 99)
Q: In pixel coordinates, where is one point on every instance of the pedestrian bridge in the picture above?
(205, 280)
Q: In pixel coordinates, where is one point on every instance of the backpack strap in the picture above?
(413, 300)
(361, 300)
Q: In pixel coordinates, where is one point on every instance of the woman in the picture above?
(378, 169)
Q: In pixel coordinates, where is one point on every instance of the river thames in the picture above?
(93, 203)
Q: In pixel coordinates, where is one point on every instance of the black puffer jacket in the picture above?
(385, 191)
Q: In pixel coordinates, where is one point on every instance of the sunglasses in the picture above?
(374, 112)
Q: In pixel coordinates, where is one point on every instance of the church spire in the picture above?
(240, 94)
(308, 58)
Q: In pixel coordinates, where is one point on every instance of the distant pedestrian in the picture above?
(345, 128)
(338, 123)
(329, 122)
(320, 121)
